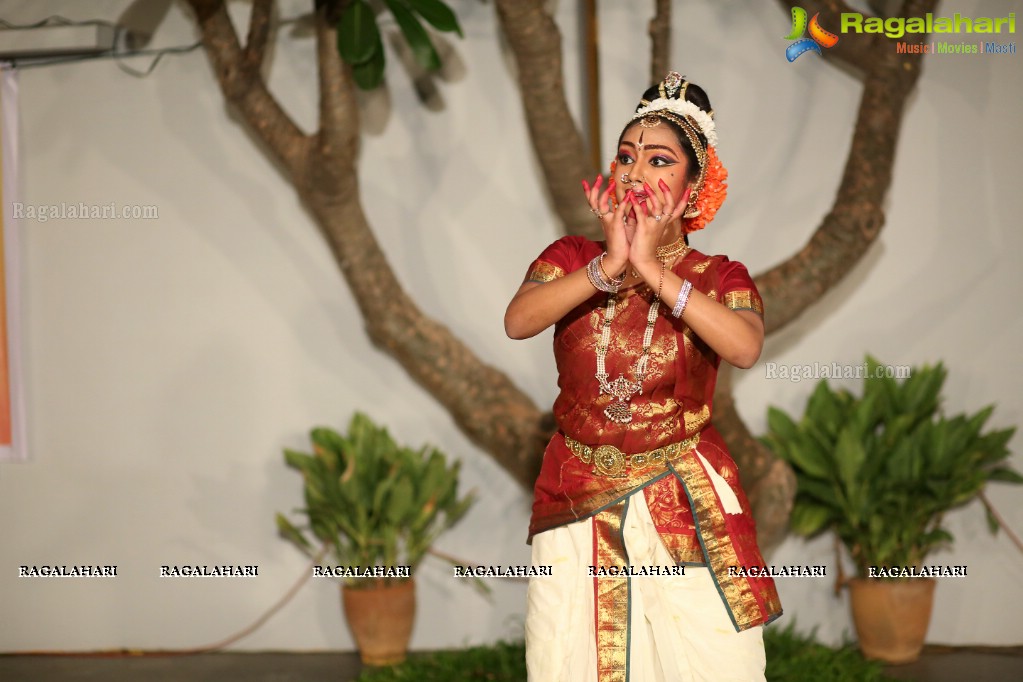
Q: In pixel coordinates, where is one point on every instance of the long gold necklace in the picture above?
(622, 389)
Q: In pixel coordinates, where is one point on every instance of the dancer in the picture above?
(638, 506)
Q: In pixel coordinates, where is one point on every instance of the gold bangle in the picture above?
(613, 280)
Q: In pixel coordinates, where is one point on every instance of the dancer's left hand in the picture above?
(653, 217)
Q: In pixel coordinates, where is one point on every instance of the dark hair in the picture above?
(695, 94)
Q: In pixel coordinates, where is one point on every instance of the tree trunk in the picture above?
(535, 41)
(660, 41)
(856, 217)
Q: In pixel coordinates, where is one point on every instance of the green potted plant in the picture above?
(376, 506)
(881, 471)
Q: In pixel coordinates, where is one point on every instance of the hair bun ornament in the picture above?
(667, 101)
(671, 84)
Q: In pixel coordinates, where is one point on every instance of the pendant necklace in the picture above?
(622, 389)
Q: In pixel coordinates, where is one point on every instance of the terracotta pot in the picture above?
(380, 619)
(892, 616)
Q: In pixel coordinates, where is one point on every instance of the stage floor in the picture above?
(938, 664)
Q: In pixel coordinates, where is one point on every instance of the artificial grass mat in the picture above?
(791, 657)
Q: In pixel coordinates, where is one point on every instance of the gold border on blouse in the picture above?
(544, 272)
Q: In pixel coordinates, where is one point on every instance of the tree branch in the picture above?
(856, 217)
(339, 111)
(243, 86)
(483, 401)
(836, 246)
(769, 482)
(259, 32)
(535, 41)
(660, 41)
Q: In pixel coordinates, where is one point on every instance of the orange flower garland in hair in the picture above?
(712, 195)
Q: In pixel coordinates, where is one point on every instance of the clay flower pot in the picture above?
(380, 619)
(892, 616)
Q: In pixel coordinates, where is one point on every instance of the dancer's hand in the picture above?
(655, 212)
(612, 220)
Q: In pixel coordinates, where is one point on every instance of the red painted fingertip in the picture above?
(586, 187)
(599, 181)
(663, 185)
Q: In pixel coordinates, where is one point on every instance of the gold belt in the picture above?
(607, 460)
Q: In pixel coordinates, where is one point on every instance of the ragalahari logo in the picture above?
(819, 37)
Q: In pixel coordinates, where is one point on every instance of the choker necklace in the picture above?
(672, 250)
(666, 254)
(621, 389)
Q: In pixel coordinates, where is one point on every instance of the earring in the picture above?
(691, 210)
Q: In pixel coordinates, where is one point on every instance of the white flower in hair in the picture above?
(683, 108)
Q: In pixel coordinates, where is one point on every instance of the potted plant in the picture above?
(881, 471)
(376, 506)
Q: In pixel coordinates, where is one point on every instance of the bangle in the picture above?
(598, 282)
(617, 281)
(683, 299)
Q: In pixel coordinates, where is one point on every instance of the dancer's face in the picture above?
(651, 155)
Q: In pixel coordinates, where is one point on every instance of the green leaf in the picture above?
(358, 38)
(400, 503)
(809, 519)
(809, 458)
(850, 454)
(826, 409)
(938, 536)
(992, 521)
(438, 15)
(286, 529)
(434, 478)
(328, 445)
(383, 490)
(814, 489)
(783, 429)
(1005, 475)
(456, 511)
(996, 444)
(796, 448)
(920, 393)
(416, 35)
(298, 460)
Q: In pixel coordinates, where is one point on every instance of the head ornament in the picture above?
(710, 187)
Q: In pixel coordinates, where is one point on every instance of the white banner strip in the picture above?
(16, 448)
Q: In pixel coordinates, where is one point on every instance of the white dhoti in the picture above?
(675, 629)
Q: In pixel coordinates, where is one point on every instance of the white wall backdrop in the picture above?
(169, 361)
